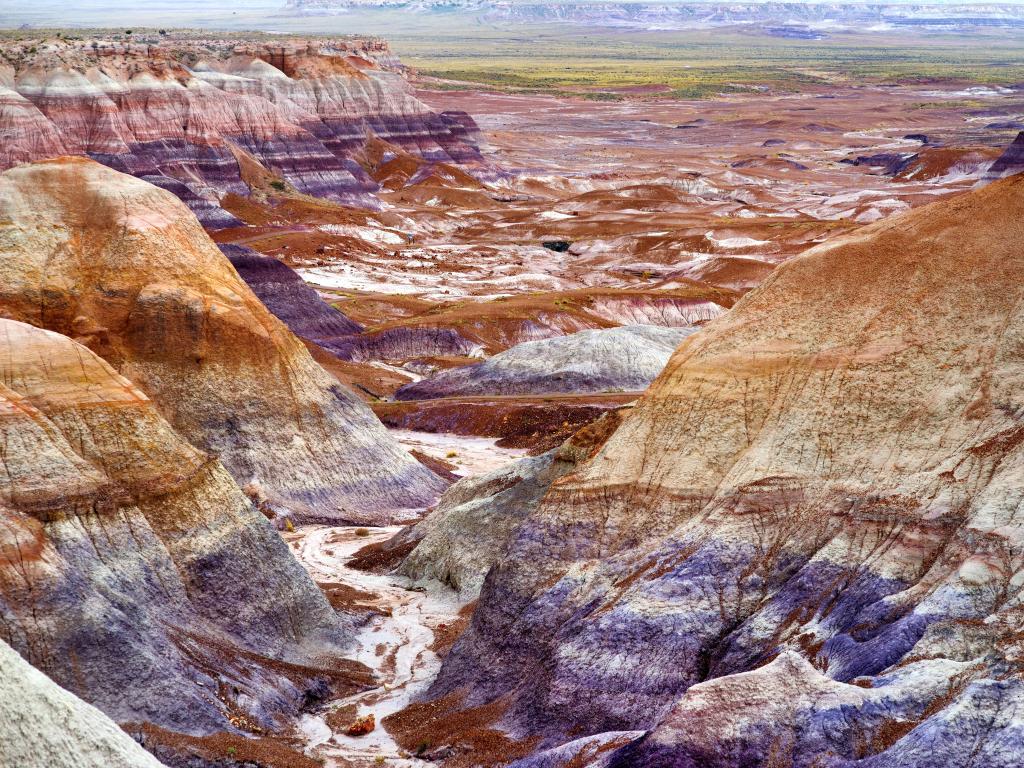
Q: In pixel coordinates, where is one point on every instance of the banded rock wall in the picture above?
(208, 117)
(126, 269)
(133, 571)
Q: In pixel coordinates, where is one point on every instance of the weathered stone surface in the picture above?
(826, 481)
(216, 115)
(627, 359)
(134, 572)
(126, 269)
(44, 726)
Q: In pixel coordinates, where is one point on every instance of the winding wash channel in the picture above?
(396, 641)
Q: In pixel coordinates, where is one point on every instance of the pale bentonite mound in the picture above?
(805, 545)
(133, 571)
(44, 726)
(601, 360)
(126, 269)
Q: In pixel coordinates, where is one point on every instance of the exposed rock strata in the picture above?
(44, 726)
(803, 546)
(127, 270)
(626, 359)
(290, 298)
(212, 115)
(1010, 162)
(134, 572)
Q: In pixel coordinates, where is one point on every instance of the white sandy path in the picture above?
(396, 646)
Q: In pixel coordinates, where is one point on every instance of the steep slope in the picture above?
(290, 298)
(134, 572)
(829, 477)
(127, 270)
(214, 115)
(44, 726)
(627, 358)
(1010, 162)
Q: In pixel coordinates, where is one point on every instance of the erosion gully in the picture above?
(396, 644)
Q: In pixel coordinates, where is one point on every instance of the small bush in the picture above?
(278, 185)
(362, 532)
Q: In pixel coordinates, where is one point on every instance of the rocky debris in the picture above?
(361, 726)
(134, 572)
(1010, 162)
(802, 547)
(220, 116)
(44, 726)
(472, 526)
(627, 359)
(125, 268)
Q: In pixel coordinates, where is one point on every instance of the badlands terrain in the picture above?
(355, 415)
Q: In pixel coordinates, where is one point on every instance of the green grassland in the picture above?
(703, 63)
(462, 49)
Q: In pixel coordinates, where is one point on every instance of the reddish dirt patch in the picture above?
(458, 737)
(445, 635)
(535, 423)
(380, 558)
(437, 466)
(220, 749)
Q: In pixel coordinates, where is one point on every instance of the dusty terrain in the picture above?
(646, 210)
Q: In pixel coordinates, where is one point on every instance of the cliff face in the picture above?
(134, 572)
(215, 116)
(125, 268)
(804, 546)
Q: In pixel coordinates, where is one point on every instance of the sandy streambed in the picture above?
(395, 644)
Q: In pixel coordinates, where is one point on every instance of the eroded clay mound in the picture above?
(827, 477)
(614, 359)
(44, 726)
(290, 298)
(133, 571)
(1010, 162)
(477, 518)
(126, 269)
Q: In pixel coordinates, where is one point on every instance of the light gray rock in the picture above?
(44, 726)
(610, 359)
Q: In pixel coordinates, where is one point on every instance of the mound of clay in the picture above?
(1010, 162)
(627, 358)
(290, 298)
(827, 478)
(125, 268)
(134, 572)
(473, 524)
(44, 726)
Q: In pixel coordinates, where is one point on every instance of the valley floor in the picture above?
(405, 624)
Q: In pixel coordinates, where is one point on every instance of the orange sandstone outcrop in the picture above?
(125, 268)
